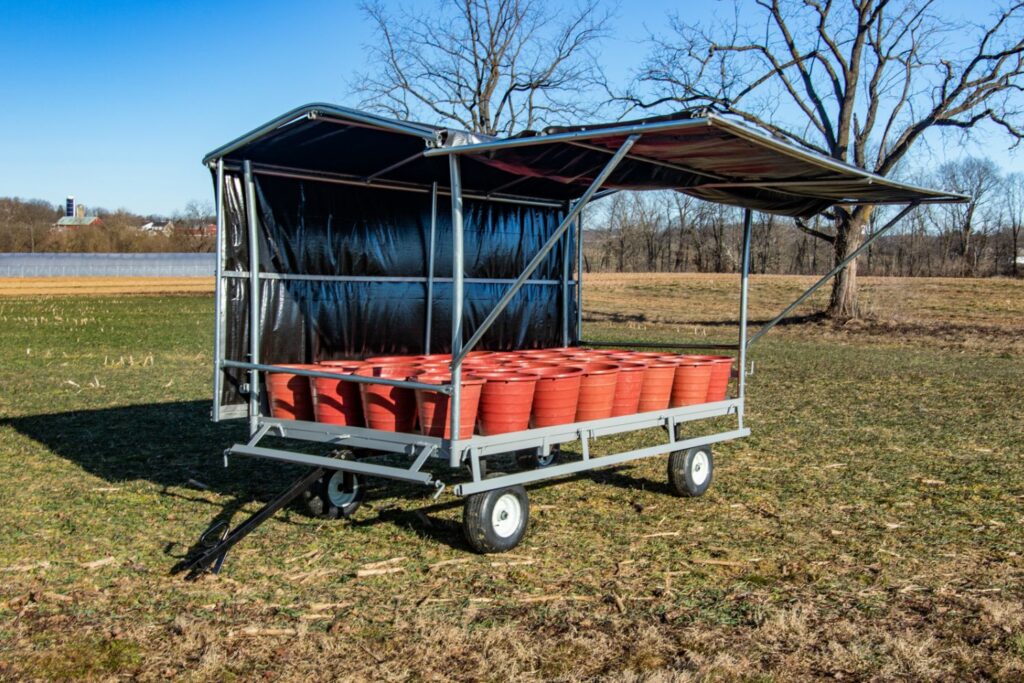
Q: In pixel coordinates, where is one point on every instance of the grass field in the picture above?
(872, 527)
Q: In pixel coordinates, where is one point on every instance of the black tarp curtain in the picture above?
(310, 228)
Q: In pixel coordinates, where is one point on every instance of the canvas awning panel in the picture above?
(707, 156)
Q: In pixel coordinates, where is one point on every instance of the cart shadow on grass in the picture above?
(175, 446)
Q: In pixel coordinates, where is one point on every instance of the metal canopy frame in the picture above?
(469, 450)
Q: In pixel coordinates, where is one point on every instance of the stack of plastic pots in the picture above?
(556, 395)
(690, 385)
(597, 390)
(385, 407)
(290, 395)
(658, 379)
(506, 400)
(627, 388)
(721, 372)
(338, 401)
(434, 407)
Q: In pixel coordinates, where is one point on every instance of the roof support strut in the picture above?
(832, 273)
(567, 222)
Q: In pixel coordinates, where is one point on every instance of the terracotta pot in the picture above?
(537, 354)
(290, 395)
(557, 393)
(436, 358)
(690, 385)
(506, 401)
(718, 387)
(590, 356)
(391, 409)
(433, 407)
(657, 386)
(392, 360)
(627, 388)
(337, 401)
(597, 391)
(538, 363)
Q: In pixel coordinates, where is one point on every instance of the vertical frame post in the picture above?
(218, 297)
(431, 248)
(566, 269)
(748, 221)
(254, 295)
(457, 301)
(579, 279)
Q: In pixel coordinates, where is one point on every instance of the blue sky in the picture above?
(116, 102)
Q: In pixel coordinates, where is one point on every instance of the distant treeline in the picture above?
(674, 232)
(27, 225)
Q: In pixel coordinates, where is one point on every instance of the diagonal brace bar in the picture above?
(832, 273)
(535, 262)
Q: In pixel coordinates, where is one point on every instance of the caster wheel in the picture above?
(533, 459)
(690, 472)
(495, 521)
(336, 494)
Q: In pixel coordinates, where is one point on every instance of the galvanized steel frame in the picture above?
(472, 450)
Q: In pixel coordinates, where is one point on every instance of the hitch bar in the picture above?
(211, 559)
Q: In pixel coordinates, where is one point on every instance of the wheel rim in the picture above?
(506, 515)
(700, 468)
(545, 460)
(336, 492)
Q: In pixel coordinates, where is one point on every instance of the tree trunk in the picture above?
(849, 235)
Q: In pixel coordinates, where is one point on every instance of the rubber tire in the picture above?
(528, 459)
(477, 526)
(680, 472)
(318, 500)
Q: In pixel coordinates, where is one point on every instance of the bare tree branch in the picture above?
(489, 66)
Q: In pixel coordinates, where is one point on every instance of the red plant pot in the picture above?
(627, 388)
(505, 401)
(391, 409)
(434, 407)
(718, 387)
(337, 401)
(556, 395)
(393, 360)
(290, 395)
(436, 358)
(597, 390)
(691, 382)
(656, 389)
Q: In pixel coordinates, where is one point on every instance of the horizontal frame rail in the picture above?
(594, 462)
(358, 181)
(326, 463)
(662, 345)
(358, 379)
(241, 274)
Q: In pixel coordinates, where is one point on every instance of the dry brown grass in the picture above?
(967, 314)
(98, 286)
(869, 529)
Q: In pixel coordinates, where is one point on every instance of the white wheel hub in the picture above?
(336, 492)
(506, 515)
(700, 468)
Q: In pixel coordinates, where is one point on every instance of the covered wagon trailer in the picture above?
(342, 234)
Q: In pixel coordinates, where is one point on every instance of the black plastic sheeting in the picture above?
(320, 229)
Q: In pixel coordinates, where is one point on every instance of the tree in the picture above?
(977, 178)
(489, 66)
(1015, 216)
(859, 81)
